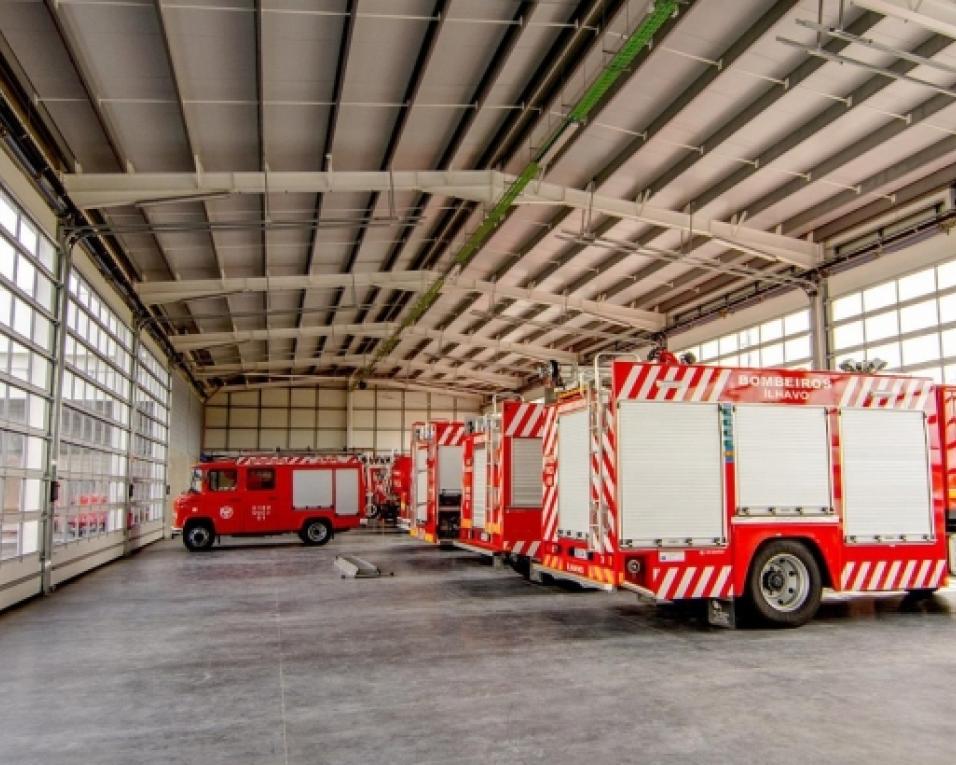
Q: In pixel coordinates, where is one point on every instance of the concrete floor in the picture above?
(260, 653)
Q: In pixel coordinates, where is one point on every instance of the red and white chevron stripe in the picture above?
(677, 582)
(549, 502)
(525, 548)
(609, 481)
(915, 574)
(885, 393)
(527, 421)
(653, 382)
(451, 433)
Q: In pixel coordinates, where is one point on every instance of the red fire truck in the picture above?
(437, 481)
(754, 485)
(386, 482)
(311, 495)
(501, 507)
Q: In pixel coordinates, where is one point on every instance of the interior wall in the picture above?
(318, 418)
(185, 438)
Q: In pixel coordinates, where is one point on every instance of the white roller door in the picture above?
(421, 483)
(886, 484)
(527, 467)
(311, 488)
(574, 474)
(479, 489)
(346, 492)
(449, 468)
(783, 458)
(670, 463)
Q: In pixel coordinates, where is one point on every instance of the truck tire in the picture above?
(316, 532)
(784, 586)
(198, 536)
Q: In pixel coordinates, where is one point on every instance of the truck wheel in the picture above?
(198, 536)
(316, 532)
(784, 586)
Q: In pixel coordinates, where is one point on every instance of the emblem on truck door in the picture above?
(225, 512)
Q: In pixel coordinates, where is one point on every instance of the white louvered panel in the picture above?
(347, 492)
(449, 468)
(886, 488)
(574, 473)
(670, 465)
(527, 467)
(783, 457)
(311, 488)
(479, 489)
(421, 483)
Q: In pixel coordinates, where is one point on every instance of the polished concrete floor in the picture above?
(260, 653)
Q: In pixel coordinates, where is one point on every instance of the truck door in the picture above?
(225, 503)
(265, 513)
(347, 492)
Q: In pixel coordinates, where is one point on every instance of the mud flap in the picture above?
(721, 613)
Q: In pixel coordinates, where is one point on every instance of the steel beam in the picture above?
(936, 15)
(356, 360)
(201, 340)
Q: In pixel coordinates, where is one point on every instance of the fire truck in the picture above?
(311, 495)
(501, 507)
(436, 487)
(386, 482)
(746, 486)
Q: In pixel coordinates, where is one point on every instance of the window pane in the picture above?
(797, 348)
(880, 296)
(889, 352)
(848, 335)
(772, 355)
(914, 285)
(771, 330)
(882, 325)
(797, 322)
(845, 307)
(947, 308)
(709, 350)
(946, 275)
(918, 316)
(920, 349)
(728, 344)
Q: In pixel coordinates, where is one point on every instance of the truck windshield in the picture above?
(195, 485)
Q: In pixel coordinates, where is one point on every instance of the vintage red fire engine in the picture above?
(312, 495)
(501, 507)
(746, 485)
(437, 481)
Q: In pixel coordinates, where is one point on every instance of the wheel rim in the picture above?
(199, 536)
(785, 582)
(317, 532)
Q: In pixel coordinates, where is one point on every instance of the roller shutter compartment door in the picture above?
(527, 466)
(783, 458)
(311, 489)
(886, 483)
(574, 474)
(670, 463)
(421, 483)
(347, 492)
(479, 487)
(450, 468)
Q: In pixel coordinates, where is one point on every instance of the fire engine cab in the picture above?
(437, 481)
(745, 485)
(501, 508)
(314, 496)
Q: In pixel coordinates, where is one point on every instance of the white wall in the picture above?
(318, 418)
(185, 437)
